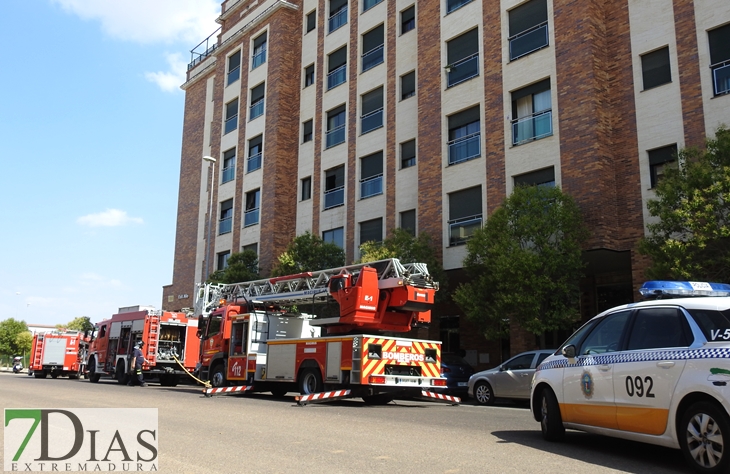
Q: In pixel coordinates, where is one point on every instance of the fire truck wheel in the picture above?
(40, 374)
(310, 381)
(93, 376)
(218, 376)
(121, 374)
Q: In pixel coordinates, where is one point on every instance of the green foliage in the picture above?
(9, 330)
(408, 249)
(243, 266)
(82, 323)
(691, 239)
(525, 264)
(24, 342)
(306, 253)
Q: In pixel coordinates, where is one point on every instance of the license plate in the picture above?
(462, 384)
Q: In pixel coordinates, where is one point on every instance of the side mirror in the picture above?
(199, 334)
(569, 351)
(501, 368)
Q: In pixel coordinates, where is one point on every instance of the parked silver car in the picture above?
(509, 380)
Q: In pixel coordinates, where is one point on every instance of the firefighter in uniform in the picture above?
(136, 365)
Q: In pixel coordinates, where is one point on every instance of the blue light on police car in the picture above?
(658, 288)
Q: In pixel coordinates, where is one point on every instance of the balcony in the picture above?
(721, 77)
(334, 197)
(460, 230)
(253, 162)
(203, 49)
(528, 41)
(371, 186)
(335, 136)
(371, 121)
(229, 173)
(534, 127)
(465, 148)
(258, 59)
(337, 77)
(462, 70)
(257, 109)
(251, 217)
(224, 225)
(231, 124)
(338, 19)
(372, 58)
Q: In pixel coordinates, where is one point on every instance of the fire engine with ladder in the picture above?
(59, 353)
(168, 338)
(327, 334)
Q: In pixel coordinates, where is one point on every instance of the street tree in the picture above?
(690, 240)
(9, 330)
(524, 265)
(306, 253)
(242, 266)
(82, 323)
(24, 343)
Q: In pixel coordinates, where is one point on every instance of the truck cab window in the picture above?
(214, 326)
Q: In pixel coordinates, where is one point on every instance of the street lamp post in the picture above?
(210, 160)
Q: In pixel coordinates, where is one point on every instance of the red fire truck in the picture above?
(326, 334)
(166, 336)
(59, 352)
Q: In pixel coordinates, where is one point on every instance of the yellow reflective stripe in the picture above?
(647, 420)
(593, 415)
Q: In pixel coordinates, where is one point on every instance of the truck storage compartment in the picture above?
(171, 342)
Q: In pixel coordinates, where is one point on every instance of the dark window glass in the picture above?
(528, 28)
(465, 203)
(311, 20)
(307, 131)
(306, 188)
(223, 260)
(234, 67)
(408, 221)
(408, 85)
(335, 236)
(659, 327)
(606, 336)
(543, 177)
(408, 154)
(659, 160)
(655, 68)
(371, 231)
(231, 116)
(407, 19)
(309, 75)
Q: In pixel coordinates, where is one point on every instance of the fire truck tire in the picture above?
(218, 376)
(310, 381)
(93, 376)
(40, 374)
(121, 374)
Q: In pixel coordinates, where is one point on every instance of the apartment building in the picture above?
(348, 118)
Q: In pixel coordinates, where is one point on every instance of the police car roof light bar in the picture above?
(679, 289)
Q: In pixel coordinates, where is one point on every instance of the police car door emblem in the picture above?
(586, 384)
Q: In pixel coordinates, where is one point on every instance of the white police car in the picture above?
(656, 371)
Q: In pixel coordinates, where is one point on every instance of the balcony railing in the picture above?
(460, 230)
(258, 59)
(371, 186)
(528, 41)
(231, 124)
(371, 121)
(337, 77)
(372, 58)
(721, 77)
(452, 5)
(534, 127)
(334, 197)
(462, 70)
(233, 75)
(335, 136)
(228, 173)
(338, 19)
(253, 162)
(251, 217)
(257, 109)
(203, 49)
(465, 148)
(224, 225)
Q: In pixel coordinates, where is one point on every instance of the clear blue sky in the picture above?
(90, 132)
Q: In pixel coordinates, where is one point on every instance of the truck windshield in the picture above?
(214, 325)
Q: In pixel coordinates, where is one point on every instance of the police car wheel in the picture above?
(551, 422)
(483, 393)
(704, 437)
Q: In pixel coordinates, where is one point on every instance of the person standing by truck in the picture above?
(136, 365)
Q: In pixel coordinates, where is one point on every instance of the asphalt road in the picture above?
(260, 434)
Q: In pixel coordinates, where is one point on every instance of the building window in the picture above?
(335, 236)
(408, 221)
(311, 21)
(309, 75)
(231, 116)
(449, 334)
(251, 247)
(257, 101)
(543, 177)
(223, 260)
(335, 126)
(452, 5)
(408, 154)
(371, 231)
(465, 214)
(229, 165)
(532, 109)
(463, 58)
(337, 68)
(464, 136)
(659, 160)
(368, 4)
(338, 14)
(334, 187)
(655, 68)
(234, 67)
(408, 85)
(306, 193)
(372, 111)
(371, 175)
(251, 213)
(255, 154)
(372, 47)
(225, 222)
(259, 51)
(307, 131)
(528, 28)
(720, 58)
(408, 20)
